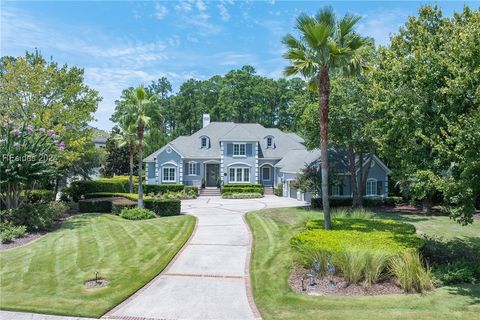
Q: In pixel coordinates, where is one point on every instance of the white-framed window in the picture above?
(269, 142)
(169, 174)
(371, 187)
(239, 149)
(335, 190)
(238, 175)
(192, 168)
(204, 142)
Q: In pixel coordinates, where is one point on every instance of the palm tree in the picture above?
(139, 107)
(127, 137)
(326, 45)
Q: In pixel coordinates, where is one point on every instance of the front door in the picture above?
(213, 173)
(267, 176)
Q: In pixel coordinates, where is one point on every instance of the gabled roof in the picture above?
(295, 160)
(189, 146)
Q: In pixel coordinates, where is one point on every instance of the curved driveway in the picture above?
(209, 278)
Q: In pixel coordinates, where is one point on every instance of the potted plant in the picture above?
(219, 182)
(203, 182)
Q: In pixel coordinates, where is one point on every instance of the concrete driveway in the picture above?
(209, 278)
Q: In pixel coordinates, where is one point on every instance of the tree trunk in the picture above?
(426, 206)
(324, 93)
(130, 179)
(140, 173)
(364, 171)
(356, 201)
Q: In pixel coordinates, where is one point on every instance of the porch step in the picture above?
(208, 192)
(267, 190)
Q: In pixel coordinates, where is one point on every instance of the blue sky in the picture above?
(127, 43)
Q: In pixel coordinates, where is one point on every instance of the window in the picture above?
(204, 142)
(335, 190)
(192, 168)
(169, 174)
(239, 175)
(371, 187)
(239, 149)
(269, 142)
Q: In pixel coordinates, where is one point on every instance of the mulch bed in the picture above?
(31, 236)
(96, 283)
(323, 287)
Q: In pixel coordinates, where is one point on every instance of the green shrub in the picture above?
(163, 188)
(95, 205)
(40, 196)
(352, 263)
(130, 196)
(242, 188)
(191, 190)
(410, 273)
(460, 271)
(387, 235)
(120, 204)
(367, 201)
(137, 214)
(278, 191)
(78, 189)
(11, 232)
(181, 195)
(232, 195)
(163, 207)
(39, 216)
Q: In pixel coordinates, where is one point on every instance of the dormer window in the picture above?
(269, 142)
(204, 142)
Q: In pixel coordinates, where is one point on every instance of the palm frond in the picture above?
(326, 16)
(346, 24)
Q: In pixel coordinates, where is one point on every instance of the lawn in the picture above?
(48, 275)
(273, 258)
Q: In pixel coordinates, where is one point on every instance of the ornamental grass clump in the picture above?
(410, 272)
(352, 214)
(376, 263)
(352, 263)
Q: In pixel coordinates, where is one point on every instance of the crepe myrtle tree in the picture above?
(326, 46)
(27, 155)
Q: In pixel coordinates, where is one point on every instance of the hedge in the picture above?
(95, 205)
(163, 207)
(367, 201)
(163, 188)
(242, 188)
(40, 196)
(231, 195)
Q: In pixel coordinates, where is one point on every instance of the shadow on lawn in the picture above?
(467, 290)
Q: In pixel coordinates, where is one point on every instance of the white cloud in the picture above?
(183, 6)
(201, 6)
(381, 24)
(224, 15)
(160, 11)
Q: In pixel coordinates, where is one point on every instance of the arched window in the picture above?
(371, 187)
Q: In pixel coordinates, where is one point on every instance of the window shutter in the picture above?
(249, 149)
(229, 149)
(341, 190)
(198, 168)
(185, 168)
(380, 187)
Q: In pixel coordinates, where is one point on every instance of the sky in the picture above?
(128, 43)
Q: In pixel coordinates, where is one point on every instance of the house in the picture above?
(227, 152)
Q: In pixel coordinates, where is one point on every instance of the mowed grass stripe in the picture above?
(47, 276)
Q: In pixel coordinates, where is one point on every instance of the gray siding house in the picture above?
(228, 152)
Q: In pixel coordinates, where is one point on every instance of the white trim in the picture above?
(171, 162)
(366, 187)
(239, 163)
(239, 148)
(242, 170)
(266, 164)
(189, 163)
(174, 171)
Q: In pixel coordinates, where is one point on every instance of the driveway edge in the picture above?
(248, 282)
(110, 314)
